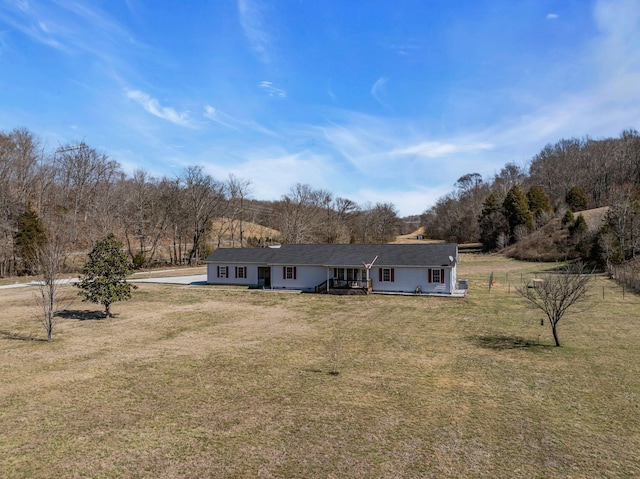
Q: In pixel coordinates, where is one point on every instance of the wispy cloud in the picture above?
(221, 118)
(406, 49)
(237, 124)
(377, 89)
(618, 46)
(70, 27)
(273, 170)
(552, 16)
(251, 15)
(436, 149)
(268, 87)
(153, 106)
(31, 22)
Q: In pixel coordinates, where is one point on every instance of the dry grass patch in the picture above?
(205, 382)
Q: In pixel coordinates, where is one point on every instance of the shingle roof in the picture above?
(349, 255)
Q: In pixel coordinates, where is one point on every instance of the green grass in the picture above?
(205, 382)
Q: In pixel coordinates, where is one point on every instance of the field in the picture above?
(193, 381)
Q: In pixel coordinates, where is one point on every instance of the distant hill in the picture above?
(226, 233)
(554, 241)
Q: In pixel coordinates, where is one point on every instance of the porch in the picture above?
(341, 286)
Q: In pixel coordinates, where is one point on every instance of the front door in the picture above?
(264, 277)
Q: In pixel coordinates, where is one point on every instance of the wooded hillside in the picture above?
(535, 212)
(75, 195)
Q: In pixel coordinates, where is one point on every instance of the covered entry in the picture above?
(264, 276)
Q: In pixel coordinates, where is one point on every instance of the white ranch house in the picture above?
(398, 268)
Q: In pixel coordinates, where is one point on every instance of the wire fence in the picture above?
(604, 287)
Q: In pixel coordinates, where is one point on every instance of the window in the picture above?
(436, 275)
(288, 272)
(241, 271)
(223, 271)
(386, 275)
(352, 274)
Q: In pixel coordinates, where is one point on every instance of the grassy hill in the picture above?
(553, 241)
(223, 227)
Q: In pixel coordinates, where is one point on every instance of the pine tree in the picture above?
(538, 200)
(516, 209)
(492, 222)
(576, 199)
(105, 274)
(30, 236)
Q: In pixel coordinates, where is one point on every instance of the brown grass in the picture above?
(594, 217)
(206, 382)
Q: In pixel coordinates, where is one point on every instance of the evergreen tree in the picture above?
(30, 236)
(568, 219)
(579, 226)
(105, 274)
(492, 222)
(538, 201)
(516, 209)
(576, 199)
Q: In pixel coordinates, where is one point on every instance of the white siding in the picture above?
(407, 280)
(212, 275)
(307, 278)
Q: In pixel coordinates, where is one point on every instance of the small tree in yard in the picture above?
(555, 294)
(105, 274)
(49, 258)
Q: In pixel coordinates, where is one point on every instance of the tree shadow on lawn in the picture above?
(19, 337)
(81, 315)
(500, 342)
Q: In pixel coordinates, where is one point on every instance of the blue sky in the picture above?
(371, 100)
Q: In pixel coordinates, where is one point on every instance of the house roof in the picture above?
(344, 255)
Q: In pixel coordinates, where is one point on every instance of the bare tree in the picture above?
(144, 216)
(51, 256)
(80, 170)
(204, 198)
(298, 214)
(20, 161)
(555, 293)
(622, 225)
(238, 190)
(344, 211)
(383, 221)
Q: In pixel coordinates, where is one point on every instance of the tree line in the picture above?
(75, 195)
(519, 203)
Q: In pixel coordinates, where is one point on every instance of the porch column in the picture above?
(328, 276)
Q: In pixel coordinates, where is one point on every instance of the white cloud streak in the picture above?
(251, 16)
(151, 105)
(221, 118)
(436, 149)
(377, 89)
(272, 91)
